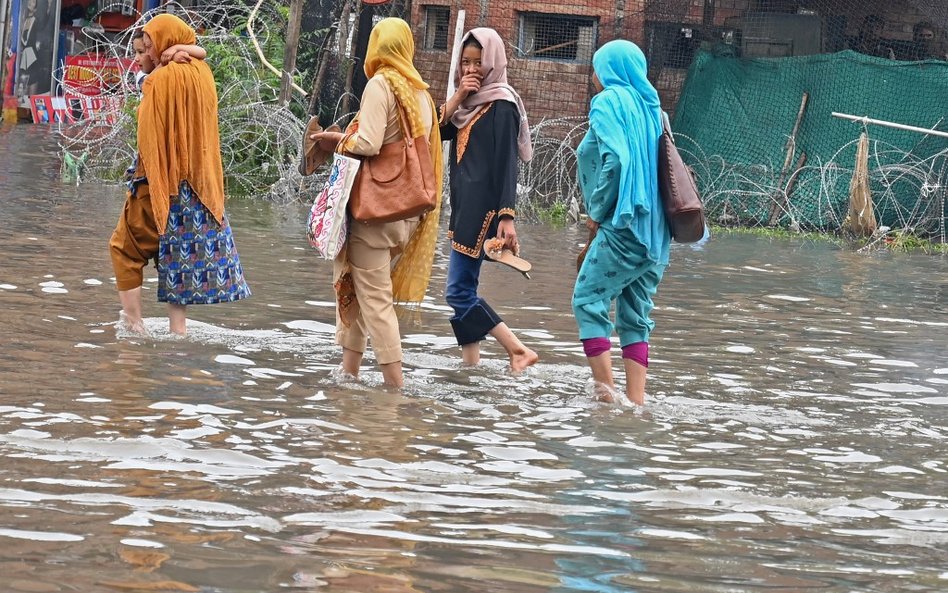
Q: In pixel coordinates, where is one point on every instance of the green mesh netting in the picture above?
(735, 118)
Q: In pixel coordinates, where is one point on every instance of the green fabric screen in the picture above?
(735, 116)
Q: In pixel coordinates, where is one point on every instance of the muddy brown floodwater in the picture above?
(795, 439)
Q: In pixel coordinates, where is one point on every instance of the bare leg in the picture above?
(392, 374)
(602, 374)
(471, 354)
(132, 305)
(351, 361)
(521, 357)
(177, 319)
(130, 319)
(635, 381)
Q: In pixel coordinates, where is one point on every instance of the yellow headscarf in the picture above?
(390, 53)
(178, 138)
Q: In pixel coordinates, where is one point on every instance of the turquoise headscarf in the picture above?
(627, 117)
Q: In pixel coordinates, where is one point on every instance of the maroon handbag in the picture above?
(676, 184)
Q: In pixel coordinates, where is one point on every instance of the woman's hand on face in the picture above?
(507, 232)
(328, 140)
(470, 83)
(182, 57)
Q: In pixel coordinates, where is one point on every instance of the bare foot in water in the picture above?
(127, 328)
(522, 359)
(606, 394)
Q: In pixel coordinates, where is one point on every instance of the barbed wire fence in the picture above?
(261, 139)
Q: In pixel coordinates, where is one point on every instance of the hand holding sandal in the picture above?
(495, 250)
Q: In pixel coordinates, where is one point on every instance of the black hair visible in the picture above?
(473, 41)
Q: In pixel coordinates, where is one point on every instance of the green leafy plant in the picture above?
(555, 214)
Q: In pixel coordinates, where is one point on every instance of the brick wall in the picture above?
(550, 88)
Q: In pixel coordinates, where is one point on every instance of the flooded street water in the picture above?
(795, 439)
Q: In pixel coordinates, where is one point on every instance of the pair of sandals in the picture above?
(314, 157)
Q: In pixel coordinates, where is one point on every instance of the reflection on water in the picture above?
(796, 436)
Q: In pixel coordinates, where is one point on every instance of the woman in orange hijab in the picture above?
(174, 212)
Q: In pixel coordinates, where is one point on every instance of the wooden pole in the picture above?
(361, 48)
(293, 26)
(781, 202)
(256, 46)
(324, 54)
(353, 56)
(342, 51)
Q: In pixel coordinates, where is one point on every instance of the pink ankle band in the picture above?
(637, 352)
(596, 346)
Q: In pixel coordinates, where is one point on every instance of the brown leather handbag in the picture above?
(397, 183)
(676, 184)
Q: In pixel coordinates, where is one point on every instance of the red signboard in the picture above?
(91, 74)
(69, 109)
(49, 110)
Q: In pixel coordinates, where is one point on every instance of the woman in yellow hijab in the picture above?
(367, 283)
(174, 212)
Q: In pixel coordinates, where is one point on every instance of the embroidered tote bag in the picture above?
(328, 222)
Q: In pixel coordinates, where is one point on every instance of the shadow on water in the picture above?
(795, 437)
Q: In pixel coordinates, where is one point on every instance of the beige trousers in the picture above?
(370, 251)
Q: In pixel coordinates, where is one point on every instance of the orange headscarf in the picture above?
(178, 138)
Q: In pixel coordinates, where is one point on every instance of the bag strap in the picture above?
(403, 124)
(666, 126)
(403, 120)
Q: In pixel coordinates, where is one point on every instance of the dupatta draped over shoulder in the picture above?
(178, 137)
(627, 117)
(391, 53)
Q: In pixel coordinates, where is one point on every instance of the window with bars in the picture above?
(563, 38)
(436, 27)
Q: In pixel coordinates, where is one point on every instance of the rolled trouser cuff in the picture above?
(636, 352)
(389, 355)
(593, 347)
(475, 324)
(351, 338)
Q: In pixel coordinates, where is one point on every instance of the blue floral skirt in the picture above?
(197, 259)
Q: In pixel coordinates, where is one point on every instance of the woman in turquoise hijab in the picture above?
(618, 175)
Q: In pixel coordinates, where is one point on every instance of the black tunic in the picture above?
(484, 182)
